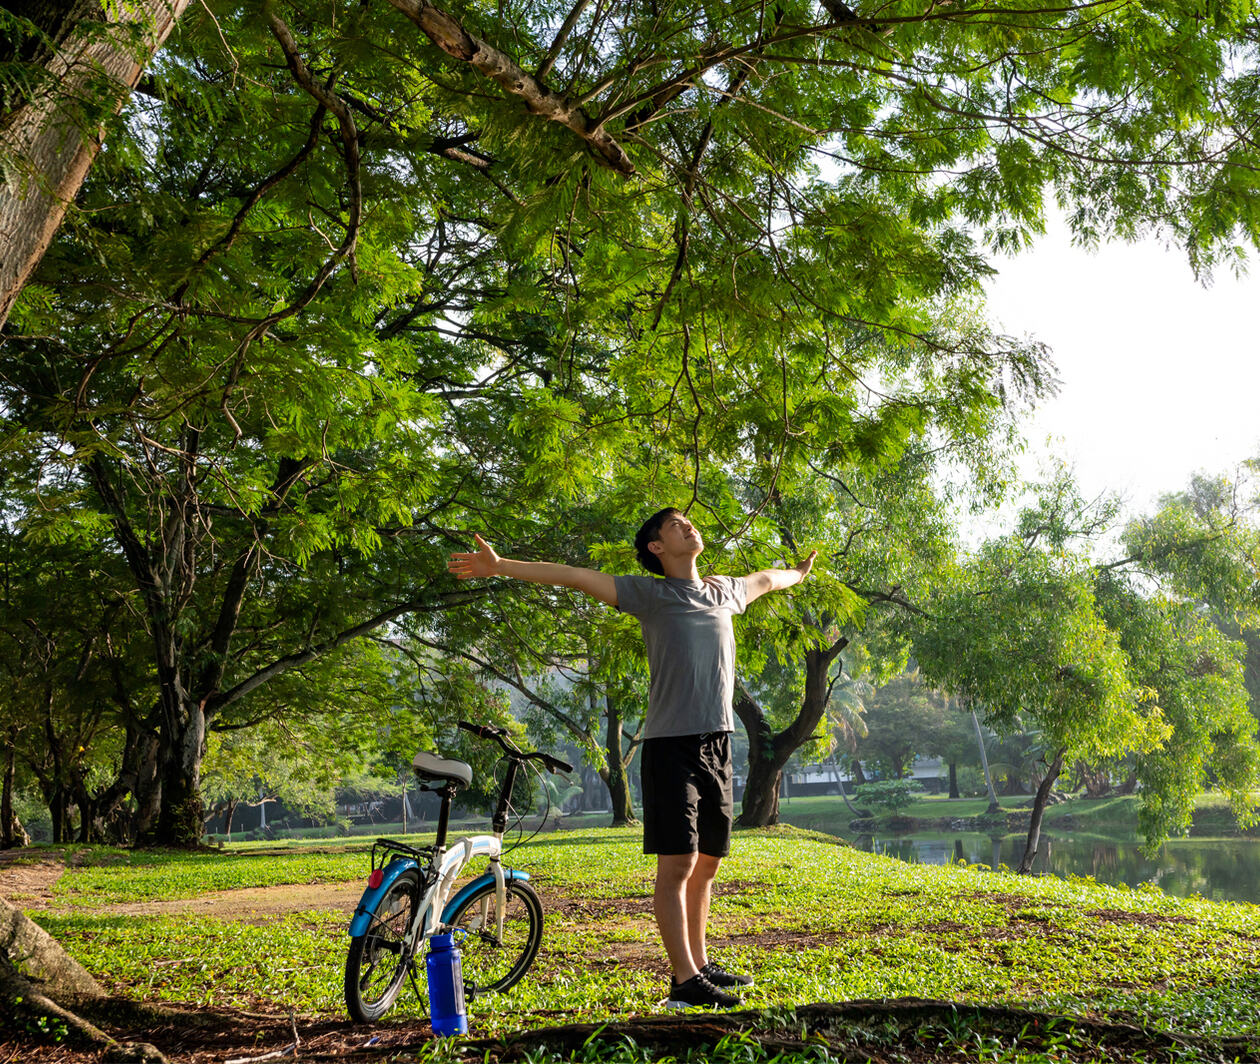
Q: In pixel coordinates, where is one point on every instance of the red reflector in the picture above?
(376, 878)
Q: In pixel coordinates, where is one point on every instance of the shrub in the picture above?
(889, 795)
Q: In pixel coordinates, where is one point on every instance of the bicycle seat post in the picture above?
(447, 791)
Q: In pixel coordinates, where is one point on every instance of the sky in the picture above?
(1160, 375)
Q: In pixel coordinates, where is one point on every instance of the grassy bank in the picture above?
(816, 922)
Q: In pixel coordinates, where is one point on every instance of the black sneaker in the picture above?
(720, 977)
(698, 993)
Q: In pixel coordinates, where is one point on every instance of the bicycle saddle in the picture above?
(432, 767)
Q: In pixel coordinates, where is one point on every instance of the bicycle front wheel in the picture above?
(492, 962)
(379, 959)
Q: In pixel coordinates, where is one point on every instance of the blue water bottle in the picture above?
(446, 987)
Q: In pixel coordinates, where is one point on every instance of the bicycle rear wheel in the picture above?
(378, 961)
(492, 963)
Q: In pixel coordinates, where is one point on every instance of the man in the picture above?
(686, 759)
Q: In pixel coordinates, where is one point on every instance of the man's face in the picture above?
(677, 537)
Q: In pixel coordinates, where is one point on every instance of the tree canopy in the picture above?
(1040, 632)
(344, 285)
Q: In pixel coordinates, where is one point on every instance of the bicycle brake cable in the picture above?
(519, 823)
(510, 813)
(546, 812)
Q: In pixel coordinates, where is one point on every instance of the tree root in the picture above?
(24, 1007)
(850, 1030)
(43, 988)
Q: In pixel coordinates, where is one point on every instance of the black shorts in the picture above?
(687, 802)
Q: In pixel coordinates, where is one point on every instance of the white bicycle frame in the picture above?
(427, 920)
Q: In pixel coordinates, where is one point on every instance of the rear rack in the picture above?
(383, 849)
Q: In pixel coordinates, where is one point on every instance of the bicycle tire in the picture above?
(491, 965)
(378, 961)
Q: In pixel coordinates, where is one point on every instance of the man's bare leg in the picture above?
(671, 903)
(699, 891)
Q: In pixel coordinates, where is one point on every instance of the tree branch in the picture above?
(455, 41)
(579, 732)
(446, 600)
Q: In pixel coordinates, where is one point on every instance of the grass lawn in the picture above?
(815, 922)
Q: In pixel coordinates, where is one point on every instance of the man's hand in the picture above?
(483, 562)
(803, 567)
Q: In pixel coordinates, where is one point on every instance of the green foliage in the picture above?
(1182, 641)
(1101, 665)
(905, 720)
(554, 795)
(241, 766)
(1019, 634)
(331, 299)
(45, 1028)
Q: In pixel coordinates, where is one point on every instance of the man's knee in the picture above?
(674, 869)
(706, 866)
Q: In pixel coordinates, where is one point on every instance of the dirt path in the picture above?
(251, 904)
(29, 885)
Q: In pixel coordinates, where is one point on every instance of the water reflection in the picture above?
(1220, 869)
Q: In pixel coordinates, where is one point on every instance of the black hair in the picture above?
(648, 532)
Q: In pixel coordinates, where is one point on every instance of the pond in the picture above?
(1219, 869)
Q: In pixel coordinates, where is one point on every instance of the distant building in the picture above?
(828, 779)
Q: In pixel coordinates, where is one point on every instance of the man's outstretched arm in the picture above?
(777, 579)
(485, 562)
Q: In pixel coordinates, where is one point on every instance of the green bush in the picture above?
(889, 795)
(970, 782)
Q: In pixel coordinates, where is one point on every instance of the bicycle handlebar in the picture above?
(486, 731)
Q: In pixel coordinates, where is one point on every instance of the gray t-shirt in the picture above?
(690, 649)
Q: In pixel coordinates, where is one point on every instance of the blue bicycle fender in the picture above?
(373, 895)
(453, 905)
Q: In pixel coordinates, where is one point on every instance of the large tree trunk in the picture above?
(768, 752)
(11, 831)
(1038, 811)
(86, 806)
(953, 779)
(59, 812)
(614, 773)
(855, 770)
(181, 745)
(49, 138)
(760, 806)
(115, 818)
(181, 815)
(146, 791)
(165, 569)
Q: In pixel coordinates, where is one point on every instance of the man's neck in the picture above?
(681, 568)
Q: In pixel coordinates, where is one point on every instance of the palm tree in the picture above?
(994, 805)
(845, 724)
